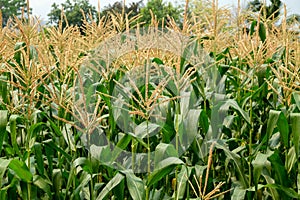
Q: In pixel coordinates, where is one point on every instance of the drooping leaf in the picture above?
(135, 186)
(163, 168)
(237, 161)
(110, 185)
(157, 61)
(84, 163)
(144, 129)
(163, 151)
(121, 146)
(232, 103)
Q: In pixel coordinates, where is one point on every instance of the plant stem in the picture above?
(250, 136)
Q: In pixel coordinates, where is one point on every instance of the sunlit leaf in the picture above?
(21, 170)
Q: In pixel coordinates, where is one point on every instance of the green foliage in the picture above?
(161, 10)
(241, 117)
(132, 10)
(11, 8)
(75, 11)
(271, 11)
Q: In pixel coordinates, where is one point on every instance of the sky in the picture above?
(42, 7)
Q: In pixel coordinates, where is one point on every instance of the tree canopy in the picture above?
(75, 11)
(10, 8)
(268, 11)
(161, 10)
(132, 10)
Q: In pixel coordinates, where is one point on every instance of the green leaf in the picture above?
(280, 171)
(157, 61)
(39, 158)
(286, 190)
(163, 151)
(252, 27)
(262, 32)
(163, 168)
(84, 163)
(283, 127)
(232, 103)
(296, 96)
(272, 122)
(144, 129)
(18, 54)
(3, 193)
(3, 123)
(125, 140)
(13, 132)
(260, 161)
(291, 159)
(43, 184)
(36, 128)
(237, 161)
(110, 185)
(33, 53)
(204, 121)
(21, 170)
(118, 191)
(182, 180)
(3, 166)
(57, 182)
(55, 146)
(238, 193)
(298, 178)
(269, 180)
(295, 120)
(135, 186)
(3, 89)
(190, 132)
(53, 126)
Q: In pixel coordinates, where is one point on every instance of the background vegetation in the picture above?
(256, 156)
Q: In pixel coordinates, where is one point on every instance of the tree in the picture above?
(161, 10)
(271, 11)
(10, 8)
(132, 10)
(75, 12)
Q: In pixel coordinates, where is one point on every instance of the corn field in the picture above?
(81, 117)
